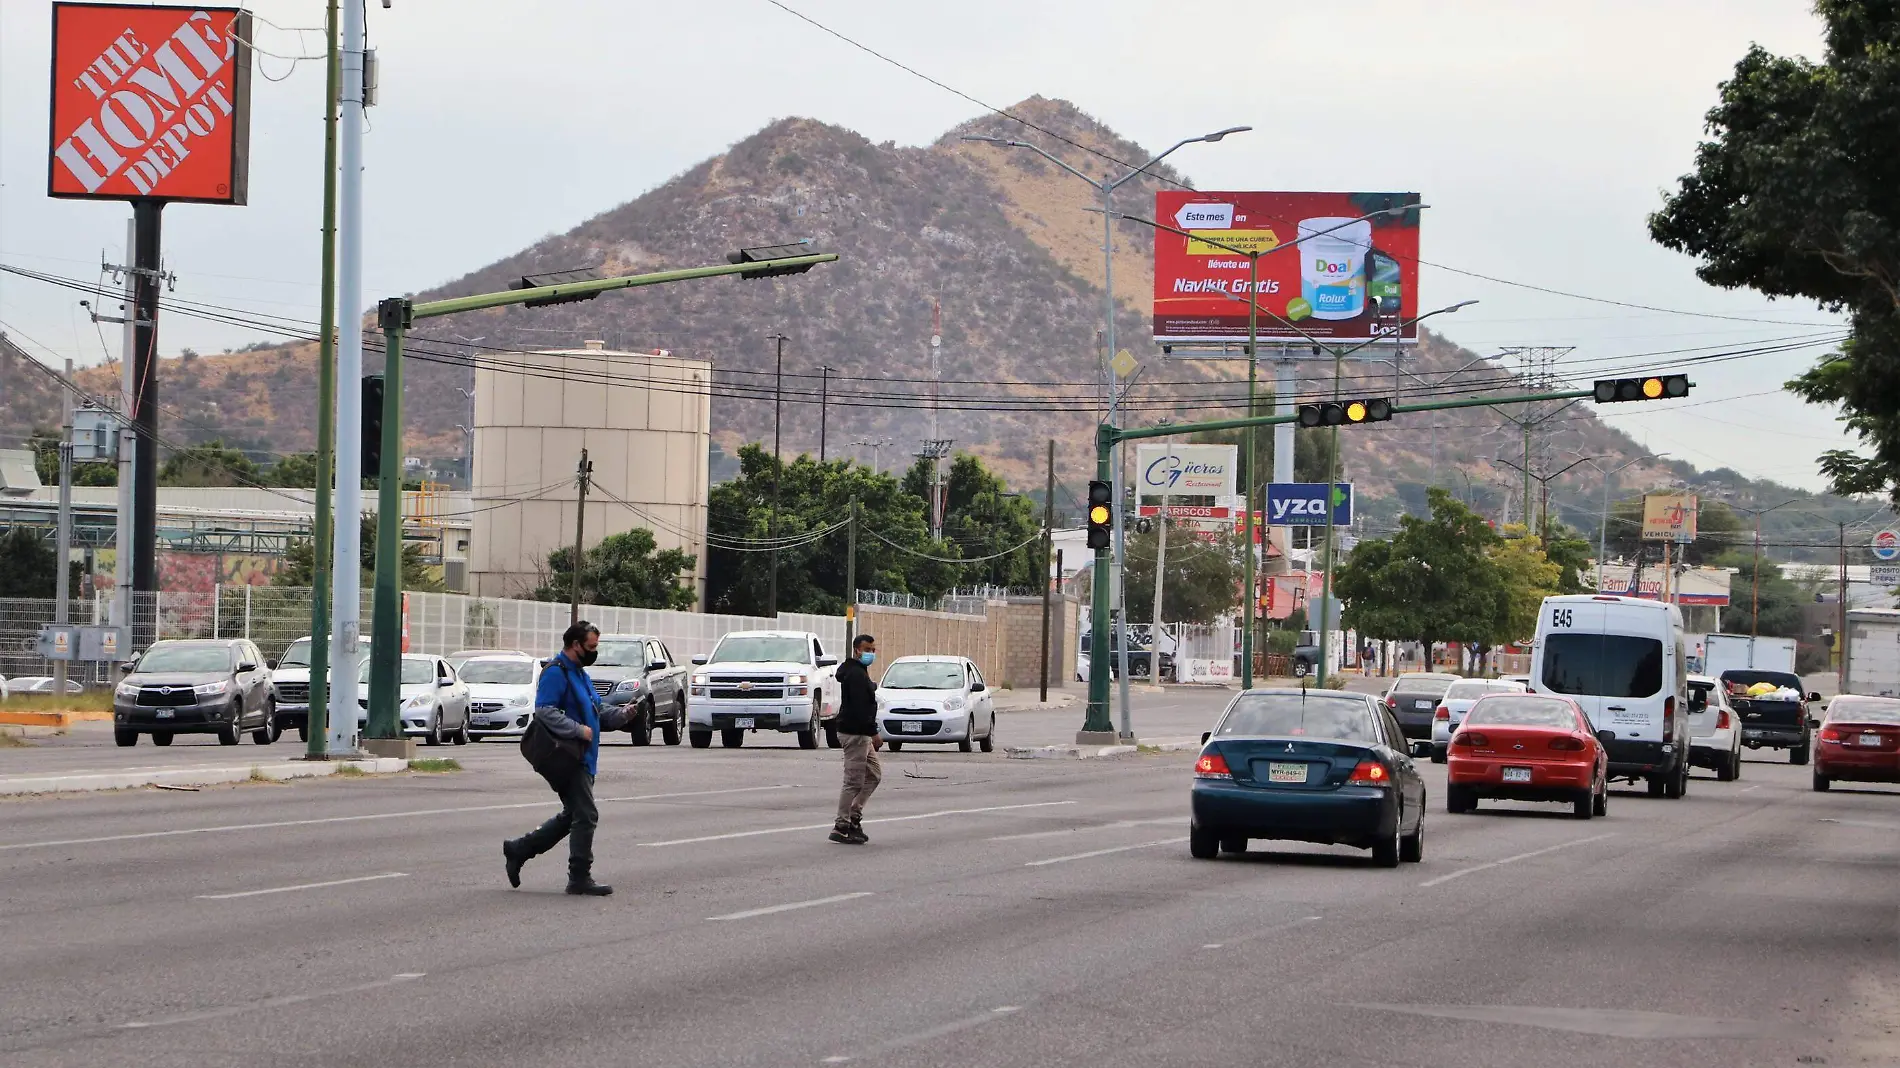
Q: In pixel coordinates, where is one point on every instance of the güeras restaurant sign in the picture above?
(150, 103)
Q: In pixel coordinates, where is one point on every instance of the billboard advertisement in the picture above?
(150, 103)
(1322, 264)
(1186, 470)
(1303, 504)
(1669, 516)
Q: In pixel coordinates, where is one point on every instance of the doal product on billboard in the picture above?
(1321, 265)
(1669, 516)
(1186, 470)
(150, 103)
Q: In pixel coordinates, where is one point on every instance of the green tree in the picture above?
(295, 471)
(1435, 580)
(1792, 195)
(623, 570)
(1529, 576)
(27, 567)
(1783, 603)
(984, 519)
(1203, 582)
(210, 464)
(1572, 553)
(300, 563)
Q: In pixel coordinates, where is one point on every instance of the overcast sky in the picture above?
(1541, 134)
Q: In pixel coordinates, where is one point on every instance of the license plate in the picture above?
(1517, 775)
(1285, 772)
(1870, 739)
(742, 723)
(165, 713)
(911, 726)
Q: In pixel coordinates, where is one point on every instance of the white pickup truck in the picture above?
(763, 680)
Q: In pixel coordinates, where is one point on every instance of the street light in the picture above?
(1106, 187)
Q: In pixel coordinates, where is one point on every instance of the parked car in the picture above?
(1307, 766)
(1778, 720)
(1141, 658)
(290, 683)
(462, 656)
(764, 680)
(1413, 699)
(1715, 732)
(434, 702)
(1860, 741)
(500, 692)
(640, 670)
(1529, 747)
(935, 699)
(22, 685)
(208, 686)
(1458, 699)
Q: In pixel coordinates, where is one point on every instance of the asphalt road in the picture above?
(1007, 912)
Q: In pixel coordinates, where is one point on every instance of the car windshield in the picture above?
(1423, 687)
(762, 649)
(188, 658)
(924, 675)
(414, 672)
(1293, 715)
(1738, 682)
(1603, 665)
(621, 654)
(298, 655)
(503, 672)
(1525, 711)
(1864, 710)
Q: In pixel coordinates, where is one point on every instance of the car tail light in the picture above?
(1370, 773)
(1392, 703)
(1470, 738)
(1722, 720)
(1829, 734)
(1669, 720)
(1567, 745)
(1442, 713)
(1212, 766)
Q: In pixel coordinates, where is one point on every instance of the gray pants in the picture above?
(862, 773)
(575, 822)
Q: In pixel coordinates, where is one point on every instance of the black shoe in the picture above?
(844, 834)
(590, 888)
(857, 830)
(514, 861)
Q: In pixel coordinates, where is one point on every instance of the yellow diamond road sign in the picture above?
(1123, 364)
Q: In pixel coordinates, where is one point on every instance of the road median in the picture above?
(207, 775)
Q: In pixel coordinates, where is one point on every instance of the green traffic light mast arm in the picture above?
(480, 301)
(1135, 433)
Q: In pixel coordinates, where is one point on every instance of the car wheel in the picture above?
(1458, 800)
(1601, 806)
(671, 732)
(966, 746)
(434, 737)
(831, 737)
(894, 746)
(1821, 783)
(1735, 766)
(731, 737)
(1412, 846)
(303, 732)
(1584, 806)
(461, 733)
(266, 734)
(161, 738)
(125, 738)
(1385, 852)
(641, 728)
(1202, 844)
(1439, 754)
(700, 739)
(1725, 771)
(1799, 754)
(231, 733)
(988, 744)
(808, 738)
(1233, 845)
(1299, 669)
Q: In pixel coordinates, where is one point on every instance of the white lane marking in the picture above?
(1212, 945)
(270, 1003)
(304, 886)
(836, 1059)
(1746, 789)
(368, 816)
(1863, 823)
(1104, 852)
(1118, 824)
(1462, 872)
(1006, 1009)
(827, 826)
(790, 906)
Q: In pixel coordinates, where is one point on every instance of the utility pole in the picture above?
(1161, 571)
(62, 580)
(346, 612)
(1048, 581)
(146, 273)
(322, 536)
(851, 576)
(122, 600)
(583, 473)
(1840, 624)
(824, 403)
(771, 523)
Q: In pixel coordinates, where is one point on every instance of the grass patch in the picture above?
(10, 740)
(90, 701)
(257, 775)
(350, 771)
(435, 764)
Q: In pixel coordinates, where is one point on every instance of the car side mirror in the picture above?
(827, 661)
(1605, 737)
(657, 665)
(1814, 696)
(246, 666)
(1205, 735)
(1815, 722)
(699, 660)
(977, 687)
(445, 682)
(271, 664)
(128, 667)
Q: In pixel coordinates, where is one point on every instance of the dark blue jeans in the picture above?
(575, 822)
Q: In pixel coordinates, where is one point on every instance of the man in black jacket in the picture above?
(857, 729)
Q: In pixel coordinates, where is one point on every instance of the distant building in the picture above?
(644, 418)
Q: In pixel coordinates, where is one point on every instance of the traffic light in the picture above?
(765, 254)
(1346, 413)
(1101, 514)
(1655, 387)
(372, 426)
(558, 278)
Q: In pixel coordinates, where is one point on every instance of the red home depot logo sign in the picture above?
(150, 103)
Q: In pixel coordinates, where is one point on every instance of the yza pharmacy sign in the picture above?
(150, 103)
(1186, 470)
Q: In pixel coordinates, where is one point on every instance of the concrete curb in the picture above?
(210, 776)
(19, 717)
(1096, 752)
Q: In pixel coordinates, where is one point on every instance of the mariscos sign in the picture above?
(1321, 265)
(150, 103)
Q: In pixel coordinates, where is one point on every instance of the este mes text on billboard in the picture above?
(150, 103)
(1321, 265)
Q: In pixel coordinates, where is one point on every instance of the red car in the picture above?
(1859, 741)
(1527, 747)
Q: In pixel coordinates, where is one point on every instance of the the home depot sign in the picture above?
(150, 103)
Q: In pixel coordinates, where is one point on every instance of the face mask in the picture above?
(866, 658)
(588, 656)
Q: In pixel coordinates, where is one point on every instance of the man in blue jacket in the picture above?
(568, 707)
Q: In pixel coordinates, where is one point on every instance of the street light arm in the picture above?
(1040, 151)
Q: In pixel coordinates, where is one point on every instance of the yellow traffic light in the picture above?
(1356, 412)
(1652, 388)
(1099, 514)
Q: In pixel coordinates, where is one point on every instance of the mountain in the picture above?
(1000, 240)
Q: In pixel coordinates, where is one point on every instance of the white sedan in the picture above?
(935, 699)
(500, 692)
(434, 701)
(1458, 699)
(1715, 737)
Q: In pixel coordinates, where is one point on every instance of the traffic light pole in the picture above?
(395, 315)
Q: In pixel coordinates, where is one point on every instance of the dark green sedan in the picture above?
(1308, 766)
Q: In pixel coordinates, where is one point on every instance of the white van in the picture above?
(1622, 659)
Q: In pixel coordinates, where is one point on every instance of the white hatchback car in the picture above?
(935, 699)
(1457, 701)
(1715, 737)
